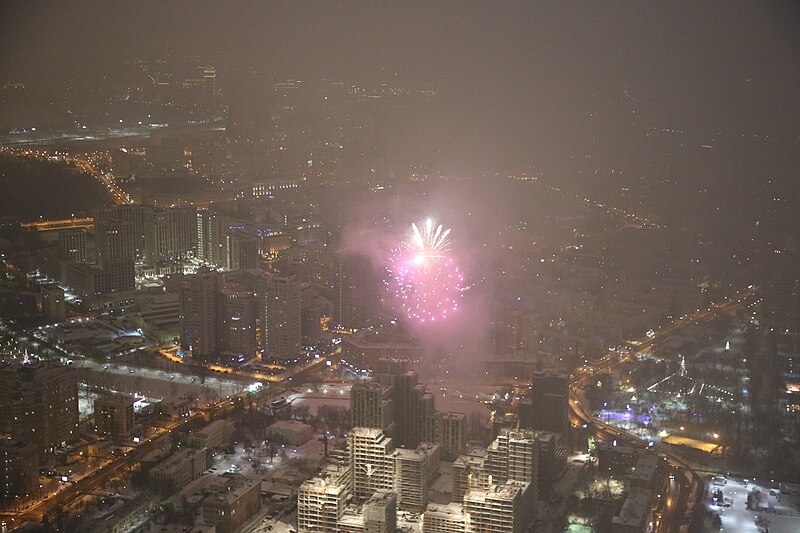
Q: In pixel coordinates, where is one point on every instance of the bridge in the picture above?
(66, 223)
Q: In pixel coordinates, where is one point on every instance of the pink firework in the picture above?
(424, 280)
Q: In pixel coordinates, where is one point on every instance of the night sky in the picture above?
(521, 83)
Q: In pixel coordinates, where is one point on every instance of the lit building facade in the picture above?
(321, 501)
(413, 472)
(371, 462)
(503, 508)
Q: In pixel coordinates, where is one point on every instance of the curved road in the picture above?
(684, 490)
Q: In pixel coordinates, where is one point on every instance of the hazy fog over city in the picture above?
(432, 267)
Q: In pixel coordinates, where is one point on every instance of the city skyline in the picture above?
(451, 267)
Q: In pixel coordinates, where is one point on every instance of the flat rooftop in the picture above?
(708, 447)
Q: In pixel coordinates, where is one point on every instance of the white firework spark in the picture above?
(424, 280)
(429, 242)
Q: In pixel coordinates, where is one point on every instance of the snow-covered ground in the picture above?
(738, 519)
(156, 383)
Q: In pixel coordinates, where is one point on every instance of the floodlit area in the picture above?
(778, 517)
(155, 383)
(314, 397)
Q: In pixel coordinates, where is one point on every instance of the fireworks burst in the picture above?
(430, 242)
(423, 278)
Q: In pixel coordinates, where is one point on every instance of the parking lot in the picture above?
(736, 518)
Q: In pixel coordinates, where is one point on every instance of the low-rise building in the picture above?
(172, 474)
(176, 409)
(233, 501)
(365, 349)
(616, 459)
(646, 471)
(635, 515)
(131, 517)
(217, 433)
(180, 528)
(113, 416)
(289, 432)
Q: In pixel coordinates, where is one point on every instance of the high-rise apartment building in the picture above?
(39, 404)
(500, 508)
(131, 215)
(503, 508)
(311, 314)
(90, 280)
(322, 500)
(780, 307)
(170, 234)
(451, 434)
(358, 291)
(470, 472)
(552, 458)
(243, 250)
(282, 314)
(73, 245)
(211, 230)
(19, 469)
(115, 276)
(523, 460)
(238, 324)
(322, 506)
(53, 304)
(413, 472)
(549, 408)
(114, 241)
(414, 409)
(201, 313)
(371, 462)
(514, 455)
(371, 406)
(402, 406)
(380, 512)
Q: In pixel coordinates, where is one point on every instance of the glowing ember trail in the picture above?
(425, 281)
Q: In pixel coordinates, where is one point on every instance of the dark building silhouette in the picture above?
(548, 408)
